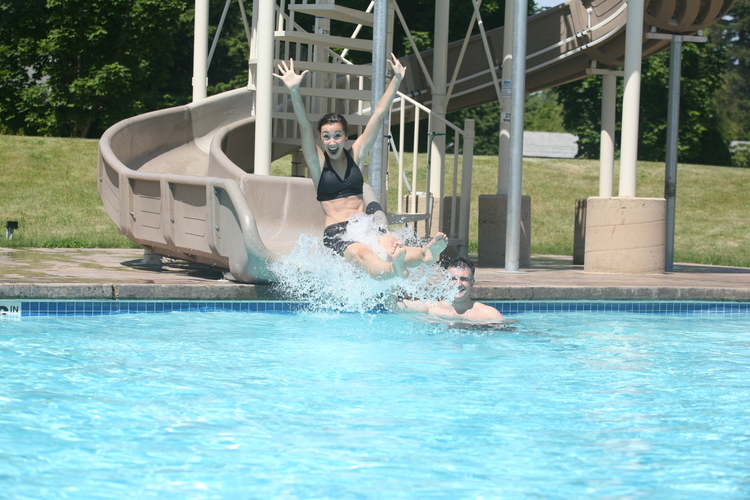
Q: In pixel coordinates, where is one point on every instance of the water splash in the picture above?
(313, 273)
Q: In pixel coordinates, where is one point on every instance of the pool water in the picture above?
(323, 405)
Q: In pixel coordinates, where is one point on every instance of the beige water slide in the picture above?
(179, 182)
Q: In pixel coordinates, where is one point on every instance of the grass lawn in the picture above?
(49, 185)
(712, 216)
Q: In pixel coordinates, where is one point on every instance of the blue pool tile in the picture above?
(90, 308)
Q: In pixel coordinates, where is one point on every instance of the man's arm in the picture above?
(412, 306)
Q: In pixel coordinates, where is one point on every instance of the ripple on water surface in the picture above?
(321, 404)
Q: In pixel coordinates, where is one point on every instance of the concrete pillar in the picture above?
(264, 88)
(579, 233)
(607, 145)
(492, 246)
(379, 153)
(493, 220)
(299, 165)
(518, 97)
(503, 158)
(200, 50)
(625, 235)
(439, 105)
(673, 127)
(466, 178)
(448, 203)
(631, 98)
(419, 203)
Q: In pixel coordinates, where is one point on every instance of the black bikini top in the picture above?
(331, 186)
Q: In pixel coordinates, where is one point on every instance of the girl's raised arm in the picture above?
(367, 139)
(307, 133)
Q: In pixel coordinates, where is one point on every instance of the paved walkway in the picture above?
(120, 274)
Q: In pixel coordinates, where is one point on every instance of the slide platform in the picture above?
(179, 182)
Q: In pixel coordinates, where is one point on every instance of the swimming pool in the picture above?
(579, 400)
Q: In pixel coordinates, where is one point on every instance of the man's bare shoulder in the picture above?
(483, 312)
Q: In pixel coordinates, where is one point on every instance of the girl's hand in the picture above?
(399, 70)
(288, 76)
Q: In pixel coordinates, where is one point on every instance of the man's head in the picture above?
(462, 272)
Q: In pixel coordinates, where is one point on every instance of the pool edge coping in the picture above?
(238, 291)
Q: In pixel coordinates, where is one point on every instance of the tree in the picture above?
(700, 140)
(542, 114)
(581, 102)
(732, 101)
(74, 67)
(486, 126)
(20, 32)
(228, 69)
(420, 19)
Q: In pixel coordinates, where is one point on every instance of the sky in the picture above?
(548, 3)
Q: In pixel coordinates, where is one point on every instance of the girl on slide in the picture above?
(339, 181)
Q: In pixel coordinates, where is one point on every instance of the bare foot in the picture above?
(397, 259)
(434, 248)
(389, 242)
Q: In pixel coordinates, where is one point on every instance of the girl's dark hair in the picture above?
(333, 118)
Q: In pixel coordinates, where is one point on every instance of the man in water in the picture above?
(461, 271)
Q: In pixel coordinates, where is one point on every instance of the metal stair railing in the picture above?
(340, 86)
(335, 83)
(409, 110)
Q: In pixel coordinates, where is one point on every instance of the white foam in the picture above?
(364, 229)
(313, 273)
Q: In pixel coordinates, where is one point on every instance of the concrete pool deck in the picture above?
(118, 274)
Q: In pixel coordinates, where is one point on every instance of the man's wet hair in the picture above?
(460, 263)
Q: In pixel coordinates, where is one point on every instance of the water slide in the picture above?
(180, 182)
(563, 43)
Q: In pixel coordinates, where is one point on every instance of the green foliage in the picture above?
(581, 102)
(732, 101)
(700, 139)
(228, 69)
(420, 20)
(68, 64)
(75, 67)
(543, 113)
(420, 17)
(422, 39)
(486, 126)
(741, 155)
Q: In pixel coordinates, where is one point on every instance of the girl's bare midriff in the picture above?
(340, 209)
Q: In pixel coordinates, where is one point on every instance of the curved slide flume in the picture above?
(180, 183)
(563, 42)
